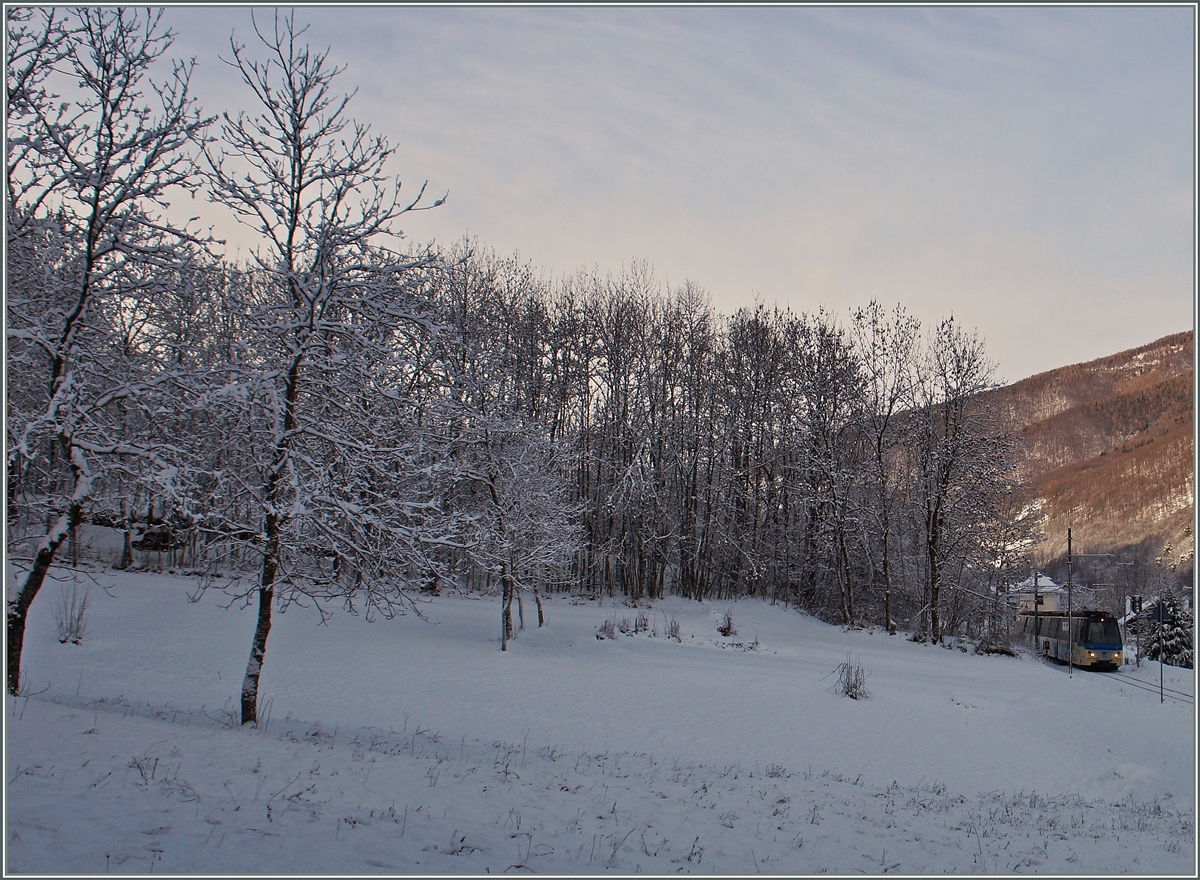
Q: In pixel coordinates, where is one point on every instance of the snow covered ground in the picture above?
(416, 746)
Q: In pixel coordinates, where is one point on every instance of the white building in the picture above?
(1049, 592)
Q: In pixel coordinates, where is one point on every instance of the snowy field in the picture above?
(416, 746)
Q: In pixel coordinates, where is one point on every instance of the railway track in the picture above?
(1152, 687)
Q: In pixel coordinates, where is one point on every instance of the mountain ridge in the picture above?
(1108, 452)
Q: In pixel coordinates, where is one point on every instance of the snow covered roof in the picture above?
(1044, 585)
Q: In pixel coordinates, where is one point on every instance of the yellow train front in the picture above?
(1088, 639)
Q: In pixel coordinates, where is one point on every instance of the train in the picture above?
(1088, 639)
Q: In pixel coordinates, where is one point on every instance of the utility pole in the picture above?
(1037, 617)
(1161, 652)
(1124, 578)
(1136, 602)
(1070, 622)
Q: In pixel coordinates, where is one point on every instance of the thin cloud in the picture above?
(1022, 166)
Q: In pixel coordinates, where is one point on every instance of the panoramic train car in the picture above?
(1094, 637)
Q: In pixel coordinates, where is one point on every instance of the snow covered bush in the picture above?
(726, 628)
(988, 645)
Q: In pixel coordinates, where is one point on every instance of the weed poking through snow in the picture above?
(852, 680)
(70, 615)
(673, 630)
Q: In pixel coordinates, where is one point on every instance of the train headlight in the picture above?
(1092, 654)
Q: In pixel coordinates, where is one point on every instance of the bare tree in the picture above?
(335, 300)
(689, 388)
(87, 181)
(829, 396)
(525, 528)
(961, 459)
(37, 41)
(886, 346)
(754, 363)
(510, 474)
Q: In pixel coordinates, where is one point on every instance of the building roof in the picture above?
(1044, 585)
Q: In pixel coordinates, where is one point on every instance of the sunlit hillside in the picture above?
(1109, 451)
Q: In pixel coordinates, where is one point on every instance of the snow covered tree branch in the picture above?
(87, 179)
(342, 353)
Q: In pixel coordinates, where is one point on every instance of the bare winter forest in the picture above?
(348, 420)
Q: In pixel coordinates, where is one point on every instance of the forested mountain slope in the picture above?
(1109, 450)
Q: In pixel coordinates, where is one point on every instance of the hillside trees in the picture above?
(331, 383)
(89, 254)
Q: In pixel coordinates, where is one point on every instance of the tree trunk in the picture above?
(847, 584)
(272, 537)
(935, 574)
(506, 598)
(127, 541)
(266, 596)
(258, 647)
(18, 609)
(258, 650)
(887, 577)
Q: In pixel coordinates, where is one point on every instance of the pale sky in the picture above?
(1029, 169)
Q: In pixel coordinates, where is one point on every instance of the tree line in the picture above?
(345, 420)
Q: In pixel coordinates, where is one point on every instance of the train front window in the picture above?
(1104, 631)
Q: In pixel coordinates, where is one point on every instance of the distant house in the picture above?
(1046, 590)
